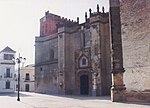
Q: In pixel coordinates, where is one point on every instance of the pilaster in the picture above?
(118, 89)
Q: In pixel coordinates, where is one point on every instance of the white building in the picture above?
(27, 78)
(7, 70)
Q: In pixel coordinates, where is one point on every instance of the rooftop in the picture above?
(8, 49)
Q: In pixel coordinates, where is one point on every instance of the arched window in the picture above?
(51, 54)
(83, 61)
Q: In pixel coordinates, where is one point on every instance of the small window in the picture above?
(41, 69)
(83, 61)
(8, 56)
(60, 36)
(7, 72)
(51, 54)
(7, 84)
(27, 76)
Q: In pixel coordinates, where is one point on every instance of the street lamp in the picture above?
(18, 61)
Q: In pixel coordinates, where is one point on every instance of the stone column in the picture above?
(94, 85)
(118, 88)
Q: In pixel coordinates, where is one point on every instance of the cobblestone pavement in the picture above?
(35, 100)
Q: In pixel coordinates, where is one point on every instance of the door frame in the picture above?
(78, 75)
(27, 87)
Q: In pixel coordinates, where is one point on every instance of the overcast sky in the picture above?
(19, 20)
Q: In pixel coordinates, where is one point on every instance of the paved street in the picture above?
(34, 100)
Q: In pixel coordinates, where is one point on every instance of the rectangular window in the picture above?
(51, 54)
(8, 56)
(27, 76)
(7, 72)
(7, 85)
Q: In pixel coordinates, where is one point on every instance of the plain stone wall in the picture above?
(68, 42)
(43, 46)
(135, 18)
(46, 70)
(100, 52)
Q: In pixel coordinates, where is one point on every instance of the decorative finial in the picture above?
(97, 8)
(46, 13)
(85, 16)
(103, 9)
(78, 20)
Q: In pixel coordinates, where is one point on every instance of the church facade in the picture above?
(108, 54)
(73, 58)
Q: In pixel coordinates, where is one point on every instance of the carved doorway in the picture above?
(84, 85)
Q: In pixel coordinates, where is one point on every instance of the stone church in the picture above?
(108, 54)
(73, 58)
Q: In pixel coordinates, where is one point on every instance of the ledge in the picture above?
(138, 96)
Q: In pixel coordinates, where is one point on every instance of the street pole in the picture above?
(18, 99)
(18, 61)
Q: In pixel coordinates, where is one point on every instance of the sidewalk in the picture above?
(34, 100)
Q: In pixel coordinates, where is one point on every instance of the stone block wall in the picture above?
(43, 53)
(46, 67)
(100, 52)
(68, 42)
(135, 19)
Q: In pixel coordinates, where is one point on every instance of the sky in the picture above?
(20, 20)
